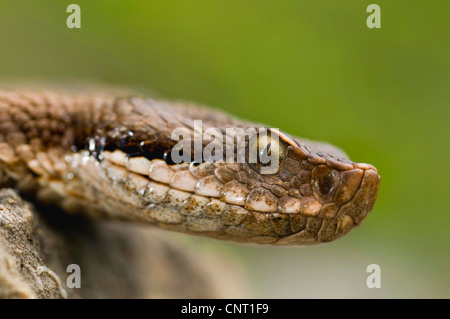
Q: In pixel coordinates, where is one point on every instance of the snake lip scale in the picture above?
(108, 156)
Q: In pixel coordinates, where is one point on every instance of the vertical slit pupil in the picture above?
(265, 154)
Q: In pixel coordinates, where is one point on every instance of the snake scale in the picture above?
(107, 156)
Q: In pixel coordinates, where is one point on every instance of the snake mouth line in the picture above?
(196, 179)
(184, 184)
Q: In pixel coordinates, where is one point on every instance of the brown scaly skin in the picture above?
(104, 156)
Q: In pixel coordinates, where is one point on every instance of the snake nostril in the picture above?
(325, 184)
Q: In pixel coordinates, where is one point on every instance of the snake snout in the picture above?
(352, 191)
(357, 192)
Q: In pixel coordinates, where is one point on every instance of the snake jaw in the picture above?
(314, 198)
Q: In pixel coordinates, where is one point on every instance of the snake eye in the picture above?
(266, 153)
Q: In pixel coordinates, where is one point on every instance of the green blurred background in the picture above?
(311, 68)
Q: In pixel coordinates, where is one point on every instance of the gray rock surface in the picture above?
(117, 260)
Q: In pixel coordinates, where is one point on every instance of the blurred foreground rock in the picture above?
(117, 260)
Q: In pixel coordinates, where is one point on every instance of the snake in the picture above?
(111, 156)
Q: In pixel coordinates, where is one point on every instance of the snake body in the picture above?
(106, 156)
